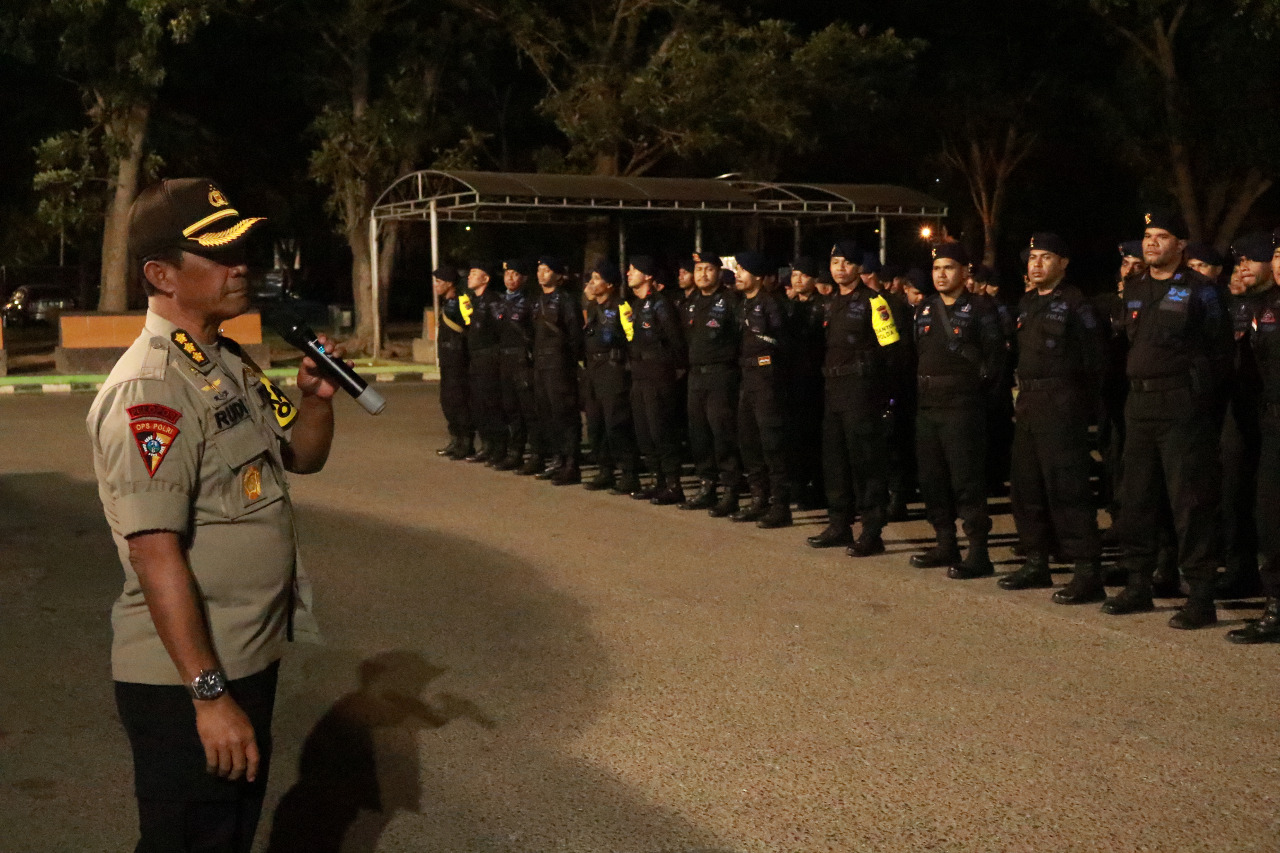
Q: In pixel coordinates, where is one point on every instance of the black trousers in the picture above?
(654, 407)
(606, 401)
(1241, 443)
(455, 392)
(484, 374)
(855, 468)
(520, 414)
(762, 432)
(1111, 449)
(1268, 505)
(1051, 494)
(555, 392)
(804, 431)
(951, 454)
(1171, 443)
(181, 806)
(713, 423)
(902, 444)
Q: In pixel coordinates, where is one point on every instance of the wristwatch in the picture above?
(209, 684)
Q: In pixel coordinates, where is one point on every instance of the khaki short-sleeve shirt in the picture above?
(188, 438)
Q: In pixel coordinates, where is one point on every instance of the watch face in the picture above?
(209, 684)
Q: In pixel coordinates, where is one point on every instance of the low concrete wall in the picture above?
(424, 348)
(91, 342)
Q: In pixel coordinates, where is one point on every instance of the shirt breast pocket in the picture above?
(251, 479)
(1171, 322)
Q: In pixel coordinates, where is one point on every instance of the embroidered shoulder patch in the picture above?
(154, 427)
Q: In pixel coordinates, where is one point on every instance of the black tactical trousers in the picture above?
(1269, 500)
(804, 431)
(902, 445)
(654, 407)
(713, 422)
(1111, 449)
(855, 468)
(555, 391)
(951, 455)
(1051, 494)
(1171, 443)
(486, 395)
(455, 393)
(762, 434)
(606, 400)
(1241, 451)
(518, 409)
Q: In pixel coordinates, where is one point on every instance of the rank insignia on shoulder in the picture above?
(190, 349)
(281, 405)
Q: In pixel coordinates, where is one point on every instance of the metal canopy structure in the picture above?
(521, 198)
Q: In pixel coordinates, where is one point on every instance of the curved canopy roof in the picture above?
(524, 197)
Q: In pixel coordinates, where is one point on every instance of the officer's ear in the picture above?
(1066, 262)
(161, 275)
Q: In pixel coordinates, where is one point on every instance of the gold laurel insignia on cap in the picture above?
(235, 232)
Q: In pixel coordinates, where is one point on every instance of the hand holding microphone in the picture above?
(297, 333)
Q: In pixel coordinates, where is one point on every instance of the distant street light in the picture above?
(926, 232)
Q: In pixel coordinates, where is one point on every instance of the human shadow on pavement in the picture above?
(470, 734)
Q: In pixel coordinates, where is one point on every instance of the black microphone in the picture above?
(299, 334)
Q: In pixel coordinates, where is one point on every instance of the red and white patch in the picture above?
(154, 431)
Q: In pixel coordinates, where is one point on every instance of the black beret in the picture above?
(892, 271)
(1047, 241)
(871, 262)
(1166, 220)
(444, 272)
(755, 263)
(824, 277)
(686, 264)
(951, 251)
(806, 264)
(608, 271)
(645, 263)
(727, 278)
(552, 263)
(1206, 254)
(848, 250)
(920, 280)
(488, 267)
(1131, 249)
(706, 258)
(520, 265)
(1256, 246)
(983, 274)
(1025, 255)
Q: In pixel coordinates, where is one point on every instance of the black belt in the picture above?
(1161, 383)
(1045, 383)
(947, 383)
(719, 367)
(512, 351)
(607, 356)
(450, 345)
(756, 361)
(849, 370)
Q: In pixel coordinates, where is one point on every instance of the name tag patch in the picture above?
(230, 414)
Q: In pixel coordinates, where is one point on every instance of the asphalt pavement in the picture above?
(512, 667)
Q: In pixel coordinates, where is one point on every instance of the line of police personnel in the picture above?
(845, 387)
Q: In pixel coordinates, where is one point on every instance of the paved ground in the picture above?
(554, 670)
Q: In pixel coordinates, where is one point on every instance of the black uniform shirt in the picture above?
(451, 328)
(517, 320)
(763, 328)
(808, 332)
(604, 332)
(961, 342)
(710, 328)
(1246, 379)
(1178, 327)
(856, 366)
(483, 329)
(557, 327)
(657, 344)
(1266, 345)
(1061, 352)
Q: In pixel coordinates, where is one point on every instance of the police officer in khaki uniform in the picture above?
(191, 444)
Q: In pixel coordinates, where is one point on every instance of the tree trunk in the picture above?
(1251, 189)
(361, 285)
(129, 127)
(387, 252)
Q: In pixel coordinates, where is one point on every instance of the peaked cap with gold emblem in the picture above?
(186, 213)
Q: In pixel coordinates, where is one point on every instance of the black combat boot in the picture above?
(533, 465)
(866, 545)
(945, 553)
(1199, 611)
(483, 454)
(779, 514)
(552, 468)
(450, 448)
(497, 453)
(466, 447)
(704, 498)
(601, 481)
(1085, 586)
(727, 505)
(672, 495)
(1240, 580)
(627, 483)
(833, 536)
(977, 562)
(513, 460)
(1034, 574)
(568, 474)
(1264, 630)
(648, 490)
(1134, 598)
(753, 511)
